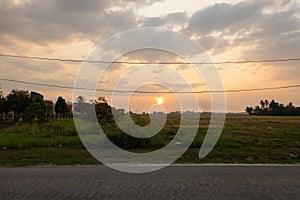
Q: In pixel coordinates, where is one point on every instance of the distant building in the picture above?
(35, 95)
(50, 104)
(70, 106)
(175, 113)
(158, 113)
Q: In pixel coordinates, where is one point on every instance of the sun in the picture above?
(159, 100)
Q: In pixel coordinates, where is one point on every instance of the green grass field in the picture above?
(245, 139)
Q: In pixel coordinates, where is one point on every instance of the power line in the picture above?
(147, 63)
(151, 92)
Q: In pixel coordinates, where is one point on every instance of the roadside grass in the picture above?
(46, 156)
(245, 139)
(57, 133)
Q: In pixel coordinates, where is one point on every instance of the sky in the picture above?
(227, 30)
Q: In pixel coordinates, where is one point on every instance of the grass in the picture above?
(245, 139)
(57, 133)
(46, 156)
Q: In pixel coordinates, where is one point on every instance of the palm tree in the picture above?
(290, 105)
(249, 110)
(273, 105)
(267, 103)
(262, 103)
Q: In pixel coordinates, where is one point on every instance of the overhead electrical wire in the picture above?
(148, 92)
(151, 92)
(147, 63)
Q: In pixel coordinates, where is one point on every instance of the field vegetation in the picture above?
(245, 139)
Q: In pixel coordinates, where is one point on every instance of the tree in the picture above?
(2, 103)
(257, 110)
(80, 105)
(104, 111)
(80, 99)
(267, 103)
(290, 109)
(262, 103)
(273, 105)
(249, 110)
(36, 111)
(274, 108)
(297, 111)
(60, 106)
(18, 100)
(290, 105)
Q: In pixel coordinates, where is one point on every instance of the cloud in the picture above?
(277, 35)
(214, 44)
(226, 17)
(171, 20)
(248, 30)
(138, 3)
(43, 21)
(218, 27)
(262, 29)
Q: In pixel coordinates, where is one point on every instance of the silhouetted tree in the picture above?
(36, 111)
(18, 100)
(262, 103)
(298, 111)
(273, 108)
(290, 105)
(291, 109)
(257, 110)
(2, 103)
(80, 104)
(81, 99)
(104, 111)
(60, 106)
(249, 110)
(273, 105)
(267, 103)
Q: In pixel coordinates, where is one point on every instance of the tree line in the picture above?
(21, 105)
(273, 108)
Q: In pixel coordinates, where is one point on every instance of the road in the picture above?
(174, 182)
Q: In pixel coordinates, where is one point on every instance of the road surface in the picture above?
(174, 182)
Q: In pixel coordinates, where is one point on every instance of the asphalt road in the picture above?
(175, 182)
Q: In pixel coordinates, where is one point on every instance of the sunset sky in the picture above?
(229, 30)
